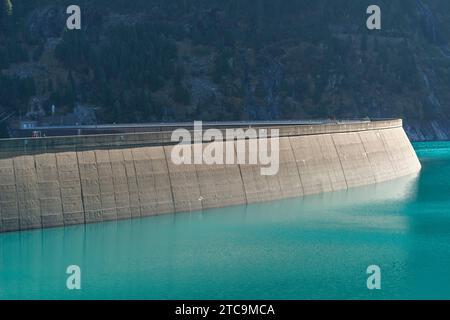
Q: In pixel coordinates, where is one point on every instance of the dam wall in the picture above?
(49, 182)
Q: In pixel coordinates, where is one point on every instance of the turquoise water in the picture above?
(318, 247)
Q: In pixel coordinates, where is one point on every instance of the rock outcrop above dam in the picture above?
(49, 182)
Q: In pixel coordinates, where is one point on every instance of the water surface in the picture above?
(317, 247)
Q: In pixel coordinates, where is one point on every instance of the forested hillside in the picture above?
(172, 60)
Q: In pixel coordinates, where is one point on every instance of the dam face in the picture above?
(49, 182)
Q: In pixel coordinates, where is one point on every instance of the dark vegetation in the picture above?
(164, 60)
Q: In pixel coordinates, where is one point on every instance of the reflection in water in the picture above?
(313, 247)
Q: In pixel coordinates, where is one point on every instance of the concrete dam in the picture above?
(61, 181)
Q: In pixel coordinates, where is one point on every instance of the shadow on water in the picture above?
(313, 247)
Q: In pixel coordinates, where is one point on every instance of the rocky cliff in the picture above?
(170, 60)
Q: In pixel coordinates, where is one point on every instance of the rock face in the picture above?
(428, 130)
(63, 181)
(232, 60)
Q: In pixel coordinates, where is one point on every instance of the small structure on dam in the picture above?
(60, 181)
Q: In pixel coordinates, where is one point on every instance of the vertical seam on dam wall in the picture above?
(170, 179)
(81, 188)
(60, 190)
(19, 222)
(387, 151)
(340, 161)
(296, 165)
(366, 154)
(99, 210)
(198, 182)
(240, 174)
(120, 161)
(168, 174)
(114, 187)
(137, 183)
(37, 181)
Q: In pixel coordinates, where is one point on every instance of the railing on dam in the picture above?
(24, 146)
(80, 130)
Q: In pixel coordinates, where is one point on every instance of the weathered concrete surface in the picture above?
(184, 184)
(119, 179)
(375, 150)
(49, 190)
(90, 186)
(132, 183)
(220, 185)
(288, 176)
(27, 192)
(89, 179)
(402, 155)
(105, 177)
(9, 210)
(318, 164)
(154, 188)
(354, 160)
(70, 183)
(256, 186)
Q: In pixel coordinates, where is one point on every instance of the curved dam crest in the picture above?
(50, 182)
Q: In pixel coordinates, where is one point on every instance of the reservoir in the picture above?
(315, 247)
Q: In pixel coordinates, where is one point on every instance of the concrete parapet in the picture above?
(27, 146)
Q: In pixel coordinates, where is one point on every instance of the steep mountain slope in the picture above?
(164, 60)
